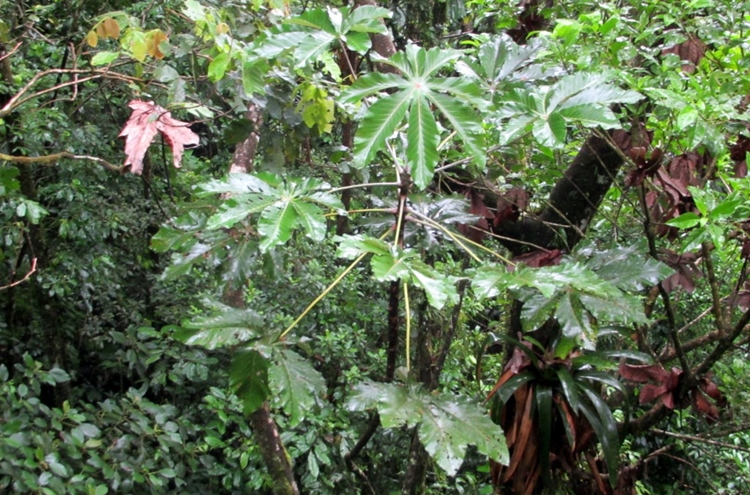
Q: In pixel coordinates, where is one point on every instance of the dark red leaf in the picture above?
(537, 259)
(642, 373)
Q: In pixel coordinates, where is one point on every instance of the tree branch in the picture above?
(51, 159)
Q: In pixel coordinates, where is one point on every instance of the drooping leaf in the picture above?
(248, 378)
(296, 383)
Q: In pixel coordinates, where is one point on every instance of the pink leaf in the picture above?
(146, 120)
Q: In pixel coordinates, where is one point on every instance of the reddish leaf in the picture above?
(537, 259)
(477, 207)
(711, 389)
(690, 52)
(702, 405)
(510, 204)
(686, 271)
(651, 392)
(642, 373)
(146, 120)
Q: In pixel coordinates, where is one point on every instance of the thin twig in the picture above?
(14, 50)
(693, 438)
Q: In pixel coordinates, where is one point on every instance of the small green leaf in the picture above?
(104, 58)
(218, 67)
(685, 221)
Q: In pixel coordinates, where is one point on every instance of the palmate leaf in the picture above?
(365, 19)
(379, 122)
(551, 131)
(448, 424)
(352, 246)
(391, 266)
(463, 89)
(370, 84)
(315, 19)
(312, 219)
(464, 121)
(228, 327)
(397, 406)
(591, 116)
(438, 288)
(627, 267)
(587, 89)
(235, 184)
(276, 224)
(296, 384)
(311, 47)
(423, 137)
(236, 210)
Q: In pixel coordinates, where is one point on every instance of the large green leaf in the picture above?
(228, 327)
(315, 19)
(391, 267)
(397, 406)
(591, 116)
(248, 378)
(235, 184)
(438, 288)
(365, 18)
(311, 47)
(295, 383)
(461, 88)
(312, 220)
(370, 84)
(380, 121)
(276, 224)
(605, 427)
(352, 246)
(464, 121)
(587, 89)
(423, 140)
(450, 424)
(237, 209)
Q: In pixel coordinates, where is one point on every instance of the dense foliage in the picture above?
(430, 247)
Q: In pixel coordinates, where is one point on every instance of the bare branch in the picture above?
(51, 159)
(26, 277)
